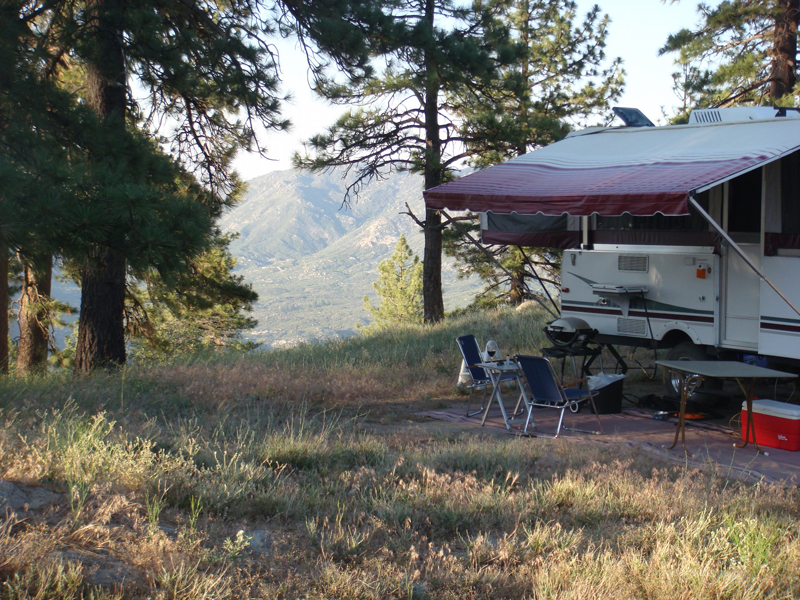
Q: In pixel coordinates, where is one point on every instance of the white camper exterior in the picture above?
(641, 263)
(634, 293)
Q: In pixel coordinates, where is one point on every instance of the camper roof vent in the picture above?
(710, 115)
(738, 114)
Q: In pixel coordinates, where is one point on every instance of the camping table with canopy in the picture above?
(693, 372)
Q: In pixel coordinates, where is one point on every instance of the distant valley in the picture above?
(312, 260)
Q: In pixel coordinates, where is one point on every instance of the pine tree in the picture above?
(402, 117)
(33, 318)
(560, 80)
(743, 52)
(109, 195)
(205, 308)
(399, 288)
(4, 300)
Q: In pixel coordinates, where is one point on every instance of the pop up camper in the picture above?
(687, 236)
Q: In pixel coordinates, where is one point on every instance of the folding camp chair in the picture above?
(471, 352)
(547, 393)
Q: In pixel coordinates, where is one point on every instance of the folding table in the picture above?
(693, 372)
(496, 371)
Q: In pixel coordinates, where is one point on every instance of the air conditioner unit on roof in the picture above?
(739, 114)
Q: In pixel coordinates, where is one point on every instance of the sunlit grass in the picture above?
(174, 470)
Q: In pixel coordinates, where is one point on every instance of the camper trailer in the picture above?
(684, 237)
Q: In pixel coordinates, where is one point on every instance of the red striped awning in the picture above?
(641, 171)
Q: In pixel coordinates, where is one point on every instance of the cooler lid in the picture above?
(774, 408)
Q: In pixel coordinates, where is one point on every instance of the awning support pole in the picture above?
(538, 277)
(740, 252)
(488, 255)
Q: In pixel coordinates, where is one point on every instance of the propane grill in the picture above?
(570, 332)
(572, 337)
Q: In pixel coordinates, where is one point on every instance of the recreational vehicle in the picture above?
(684, 237)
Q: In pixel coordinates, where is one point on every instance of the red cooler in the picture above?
(777, 424)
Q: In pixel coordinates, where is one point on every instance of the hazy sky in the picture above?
(638, 29)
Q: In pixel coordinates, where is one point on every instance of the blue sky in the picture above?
(638, 29)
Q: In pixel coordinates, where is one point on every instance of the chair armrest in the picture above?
(575, 383)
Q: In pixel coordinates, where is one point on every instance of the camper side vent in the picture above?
(628, 262)
(631, 326)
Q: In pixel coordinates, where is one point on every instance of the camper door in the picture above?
(740, 293)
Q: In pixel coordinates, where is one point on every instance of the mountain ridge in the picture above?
(312, 259)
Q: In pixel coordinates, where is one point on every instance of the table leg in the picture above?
(687, 384)
(496, 394)
(750, 424)
(620, 361)
(681, 410)
(502, 407)
(522, 396)
(491, 398)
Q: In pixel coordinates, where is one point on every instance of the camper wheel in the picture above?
(689, 351)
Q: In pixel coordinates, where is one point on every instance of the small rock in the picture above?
(110, 572)
(39, 498)
(260, 541)
(170, 532)
(12, 497)
(97, 570)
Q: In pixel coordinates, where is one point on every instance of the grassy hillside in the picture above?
(306, 473)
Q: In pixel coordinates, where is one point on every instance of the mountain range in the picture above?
(312, 258)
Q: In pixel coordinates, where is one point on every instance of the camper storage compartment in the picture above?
(777, 424)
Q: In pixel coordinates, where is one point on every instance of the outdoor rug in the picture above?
(711, 444)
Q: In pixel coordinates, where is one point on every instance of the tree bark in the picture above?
(516, 294)
(784, 50)
(432, 299)
(4, 309)
(101, 333)
(33, 331)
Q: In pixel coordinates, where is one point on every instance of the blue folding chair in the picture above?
(547, 393)
(471, 353)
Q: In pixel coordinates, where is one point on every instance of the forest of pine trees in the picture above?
(119, 122)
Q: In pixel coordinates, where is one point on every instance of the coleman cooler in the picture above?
(777, 424)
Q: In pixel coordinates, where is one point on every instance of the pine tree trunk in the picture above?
(516, 294)
(784, 57)
(33, 331)
(101, 335)
(432, 300)
(4, 309)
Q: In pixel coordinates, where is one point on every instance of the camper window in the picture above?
(790, 193)
(688, 230)
(744, 207)
(788, 236)
(658, 222)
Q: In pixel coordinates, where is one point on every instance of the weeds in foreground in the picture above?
(354, 515)
(197, 490)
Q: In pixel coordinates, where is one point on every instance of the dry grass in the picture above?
(258, 477)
